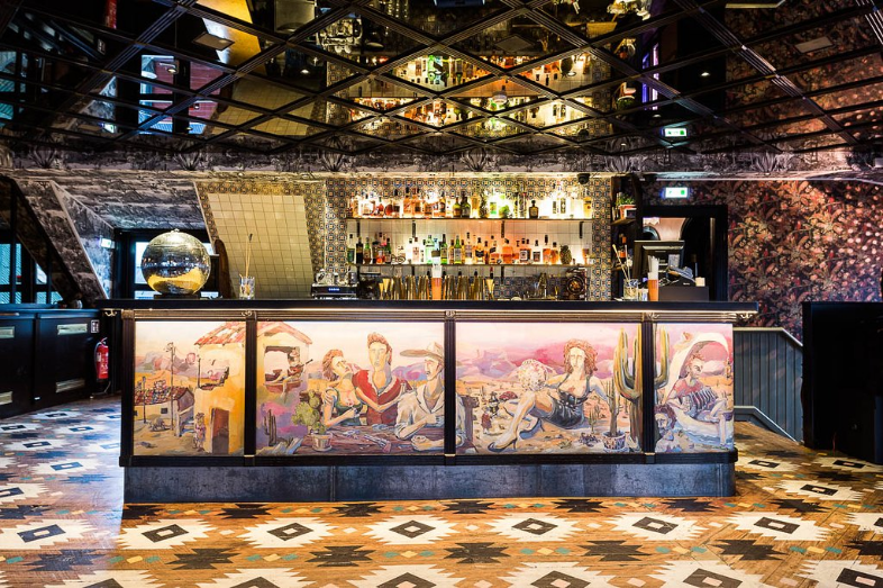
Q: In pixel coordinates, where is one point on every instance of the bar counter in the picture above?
(290, 400)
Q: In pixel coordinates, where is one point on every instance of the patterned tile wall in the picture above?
(596, 235)
(281, 216)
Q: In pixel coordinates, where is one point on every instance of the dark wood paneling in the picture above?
(769, 375)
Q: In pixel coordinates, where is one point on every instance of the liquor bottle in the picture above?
(443, 250)
(566, 255)
(417, 203)
(465, 207)
(536, 254)
(368, 254)
(360, 251)
(409, 251)
(458, 252)
(554, 255)
(547, 251)
(441, 206)
(479, 252)
(350, 250)
(436, 253)
(524, 251)
(508, 253)
(562, 206)
(533, 211)
(456, 209)
(407, 203)
(417, 251)
(366, 206)
(493, 206)
(522, 205)
(468, 250)
(490, 253)
(554, 208)
(392, 208)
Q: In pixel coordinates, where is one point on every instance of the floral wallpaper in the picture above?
(794, 241)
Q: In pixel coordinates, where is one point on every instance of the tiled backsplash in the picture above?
(301, 226)
(275, 213)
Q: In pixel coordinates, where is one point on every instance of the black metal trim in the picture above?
(250, 393)
(450, 390)
(127, 386)
(648, 386)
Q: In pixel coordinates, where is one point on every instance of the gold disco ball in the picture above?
(175, 263)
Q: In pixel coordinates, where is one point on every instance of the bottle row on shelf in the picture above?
(468, 251)
(438, 285)
(487, 204)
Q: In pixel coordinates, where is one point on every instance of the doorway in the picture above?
(220, 431)
(703, 229)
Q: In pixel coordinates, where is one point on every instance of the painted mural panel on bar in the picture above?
(549, 387)
(350, 388)
(694, 388)
(189, 388)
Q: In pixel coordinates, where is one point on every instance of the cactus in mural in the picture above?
(627, 382)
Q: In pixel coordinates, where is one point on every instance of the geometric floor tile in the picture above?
(411, 530)
(6, 428)
(84, 429)
(54, 415)
(778, 526)
(258, 578)
(557, 575)
(846, 464)
(765, 465)
(6, 462)
(414, 576)
(286, 533)
(10, 492)
(534, 527)
(819, 490)
(867, 521)
(111, 579)
(683, 574)
(657, 527)
(163, 534)
(843, 573)
(66, 467)
(35, 445)
(41, 533)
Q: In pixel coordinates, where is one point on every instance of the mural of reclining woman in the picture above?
(341, 404)
(563, 405)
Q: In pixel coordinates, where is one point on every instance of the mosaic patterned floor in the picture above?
(800, 519)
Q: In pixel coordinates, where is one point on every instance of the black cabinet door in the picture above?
(16, 349)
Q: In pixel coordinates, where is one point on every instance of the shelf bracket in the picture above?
(581, 229)
(414, 229)
(502, 229)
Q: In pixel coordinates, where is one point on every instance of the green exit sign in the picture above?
(675, 132)
(677, 193)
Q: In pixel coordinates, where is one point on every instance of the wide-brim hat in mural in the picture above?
(433, 350)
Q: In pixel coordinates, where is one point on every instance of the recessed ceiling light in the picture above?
(305, 71)
(172, 68)
(814, 45)
(212, 41)
(657, 115)
(706, 74)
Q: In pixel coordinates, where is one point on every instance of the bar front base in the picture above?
(355, 483)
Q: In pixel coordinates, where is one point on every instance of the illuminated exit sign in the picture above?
(675, 132)
(678, 193)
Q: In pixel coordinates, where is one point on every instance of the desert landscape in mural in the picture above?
(189, 388)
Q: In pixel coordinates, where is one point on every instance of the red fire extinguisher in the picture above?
(102, 360)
